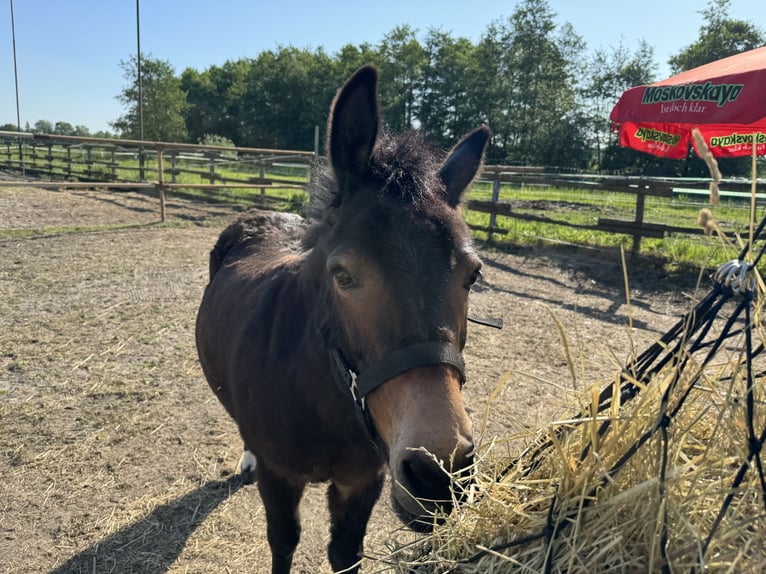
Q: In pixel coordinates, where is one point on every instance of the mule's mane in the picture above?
(403, 166)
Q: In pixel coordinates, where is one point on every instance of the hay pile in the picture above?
(660, 472)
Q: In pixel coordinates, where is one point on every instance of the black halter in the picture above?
(396, 363)
(393, 364)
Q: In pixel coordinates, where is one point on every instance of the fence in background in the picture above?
(121, 164)
(639, 188)
(133, 164)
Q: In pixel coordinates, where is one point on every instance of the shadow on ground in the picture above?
(153, 543)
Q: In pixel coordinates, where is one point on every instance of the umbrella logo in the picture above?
(653, 135)
(720, 94)
(734, 140)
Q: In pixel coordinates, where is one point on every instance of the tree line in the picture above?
(533, 81)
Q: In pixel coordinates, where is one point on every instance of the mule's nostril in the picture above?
(424, 477)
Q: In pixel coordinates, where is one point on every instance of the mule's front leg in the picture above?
(283, 528)
(350, 508)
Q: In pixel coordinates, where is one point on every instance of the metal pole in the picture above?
(141, 173)
(16, 78)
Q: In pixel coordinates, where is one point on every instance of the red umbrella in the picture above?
(725, 100)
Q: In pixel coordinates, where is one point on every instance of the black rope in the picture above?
(754, 448)
(662, 493)
(744, 467)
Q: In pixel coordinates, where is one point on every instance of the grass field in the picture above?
(585, 207)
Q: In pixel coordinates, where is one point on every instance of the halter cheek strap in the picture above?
(393, 364)
(412, 357)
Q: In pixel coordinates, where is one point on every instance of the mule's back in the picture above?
(247, 275)
(263, 234)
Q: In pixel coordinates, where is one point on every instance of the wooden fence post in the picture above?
(173, 159)
(89, 161)
(640, 204)
(495, 199)
(141, 169)
(113, 161)
(212, 156)
(262, 176)
(68, 160)
(161, 183)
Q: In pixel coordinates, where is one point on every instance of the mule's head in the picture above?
(399, 264)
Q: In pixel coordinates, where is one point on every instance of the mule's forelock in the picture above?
(405, 168)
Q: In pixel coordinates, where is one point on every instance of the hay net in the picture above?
(661, 471)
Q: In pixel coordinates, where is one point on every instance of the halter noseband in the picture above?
(393, 364)
(397, 362)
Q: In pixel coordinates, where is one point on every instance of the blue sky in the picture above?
(69, 51)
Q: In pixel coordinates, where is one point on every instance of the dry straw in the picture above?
(703, 151)
(660, 472)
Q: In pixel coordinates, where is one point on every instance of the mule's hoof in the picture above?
(247, 465)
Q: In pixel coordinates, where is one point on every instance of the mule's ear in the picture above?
(353, 125)
(463, 163)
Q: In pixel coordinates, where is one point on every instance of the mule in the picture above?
(336, 345)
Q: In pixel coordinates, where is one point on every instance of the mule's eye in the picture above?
(343, 278)
(475, 276)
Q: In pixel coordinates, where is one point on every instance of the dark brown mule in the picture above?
(378, 286)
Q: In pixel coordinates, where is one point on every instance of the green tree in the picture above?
(527, 88)
(64, 129)
(42, 127)
(215, 100)
(163, 101)
(402, 59)
(288, 93)
(350, 58)
(609, 73)
(719, 37)
(445, 110)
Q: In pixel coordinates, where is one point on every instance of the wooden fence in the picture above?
(165, 167)
(120, 164)
(639, 187)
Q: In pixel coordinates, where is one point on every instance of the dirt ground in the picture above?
(116, 457)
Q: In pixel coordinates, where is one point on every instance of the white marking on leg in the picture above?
(247, 462)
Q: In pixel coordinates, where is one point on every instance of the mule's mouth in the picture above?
(422, 512)
(418, 514)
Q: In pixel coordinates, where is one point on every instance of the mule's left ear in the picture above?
(353, 126)
(463, 163)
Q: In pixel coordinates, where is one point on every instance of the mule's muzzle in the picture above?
(425, 489)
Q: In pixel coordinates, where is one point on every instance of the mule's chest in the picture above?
(316, 461)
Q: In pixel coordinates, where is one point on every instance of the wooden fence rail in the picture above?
(639, 187)
(165, 167)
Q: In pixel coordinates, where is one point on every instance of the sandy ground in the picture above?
(116, 457)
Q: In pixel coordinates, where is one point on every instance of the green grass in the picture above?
(73, 229)
(585, 207)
